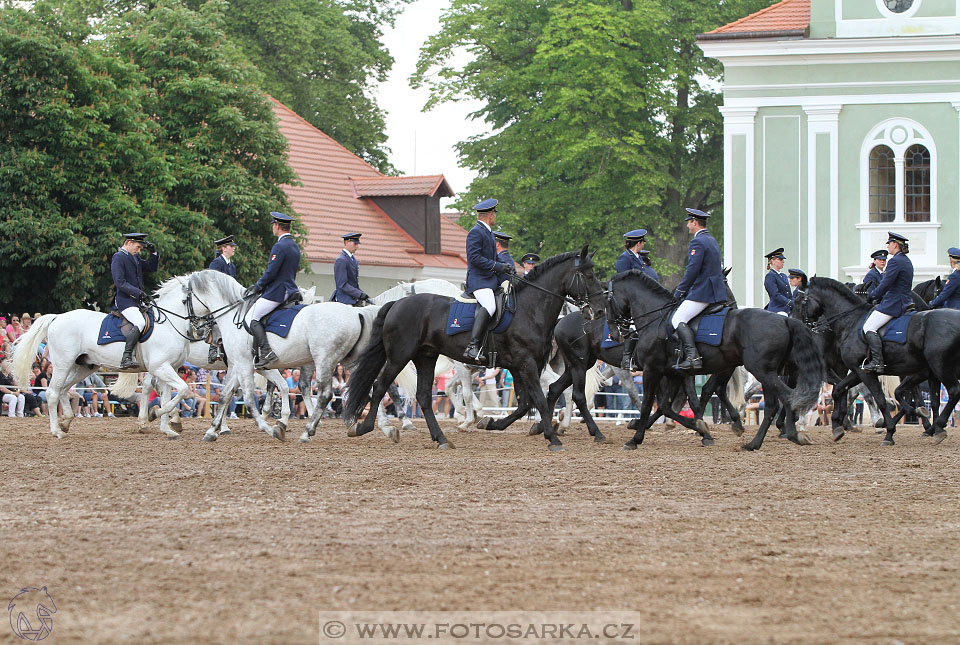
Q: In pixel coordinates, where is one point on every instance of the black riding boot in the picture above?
(691, 358)
(629, 345)
(875, 358)
(480, 323)
(263, 346)
(128, 362)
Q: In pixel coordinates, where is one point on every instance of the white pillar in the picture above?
(739, 122)
(823, 119)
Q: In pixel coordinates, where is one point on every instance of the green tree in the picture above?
(599, 121)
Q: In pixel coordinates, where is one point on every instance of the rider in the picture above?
(949, 296)
(701, 286)
(798, 282)
(226, 247)
(128, 269)
(483, 271)
(346, 272)
(630, 258)
(502, 241)
(645, 254)
(893, 293)
(875, 274)
(529, 260)
(781, 300)
(276, 284)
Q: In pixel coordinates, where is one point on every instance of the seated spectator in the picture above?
(14, 330)
(340, 378)
(11, 393)
(25, 322)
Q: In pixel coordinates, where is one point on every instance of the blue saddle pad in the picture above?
(710, 330)
(281, 320)
(896, 329)
(607, 339)
(110, 330)
(460, 318)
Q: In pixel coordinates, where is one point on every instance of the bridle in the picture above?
(578, 284)
(823, 323)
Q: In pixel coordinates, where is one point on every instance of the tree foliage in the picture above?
(599, 119)
(156, 128)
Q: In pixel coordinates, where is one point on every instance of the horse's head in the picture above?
(586, 291)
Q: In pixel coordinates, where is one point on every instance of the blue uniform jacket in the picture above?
(779, 291)
(894, 289)
(873, 277)
(127, 271)
(220, 264)
(628, 260)
(346, 273)
(703, 279)
(653, 274)
(280, 278)
(950, 296)
(481, 258)
(504, 256)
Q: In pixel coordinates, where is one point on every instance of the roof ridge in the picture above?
(756, 14)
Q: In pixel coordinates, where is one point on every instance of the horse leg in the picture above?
(283, 391)
(556, 388)
(405, 422)
(217, 425)
(324, 369)
(720, 389)
(579, 395)
(425, 366)
(245, 374)
(306, 391)
(528, 378)
(167, 375)
(700, 426)
(940, 423)
(650, 381)
(873, 384)
(840, 392)
(143, 416)
(381, 385)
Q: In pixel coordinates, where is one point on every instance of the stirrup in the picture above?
(265, 360)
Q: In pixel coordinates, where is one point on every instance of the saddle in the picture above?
(706, 325)
(894, 331)
(115, 328)
(460, 317)
(126, 326)
(292, 301)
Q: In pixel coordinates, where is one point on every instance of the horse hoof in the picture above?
(887, 442)
(352, 432)
(282, 425)
(738, 429)
(445, 446)
(173, 437)
(634, 425)
(408, 425)
(939, 437)
(279, 433)
(484, 422)
(707, 441)
(535, 429)
(555, 447)
(838, 434)
(701, 426)
(630, 445)
(880, 424)
(926, 435)
(305, 438)
(802, 439)
(209, 436)
(924, 412)
(226, 432)
(176, 427)
(599, 438)
(152, 415)
(394, 436)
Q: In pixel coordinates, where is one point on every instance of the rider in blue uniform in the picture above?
(630, 258)
(529, 260)
(781, 300)
(346, 272)
(645, 254)
(127, 268)
(277, 283)
(894, 296)
(503, 245)
(483, 274)
(949, 296)
(225, 250)
(701, 286)
(798, 282)
(877, 266)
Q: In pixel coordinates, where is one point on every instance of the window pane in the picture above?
(883, 201)
(916, 184)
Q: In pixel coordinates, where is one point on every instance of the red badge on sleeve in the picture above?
(693, 251)
(273, 257)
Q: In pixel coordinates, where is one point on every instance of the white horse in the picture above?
(75, 354)
(323, 334)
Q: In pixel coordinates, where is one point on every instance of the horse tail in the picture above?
(371, 361)
(407, 380)
(735, 388)
(25, 351)
(125, 386)
(808, 364)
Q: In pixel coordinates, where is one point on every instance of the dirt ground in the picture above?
(144, 540)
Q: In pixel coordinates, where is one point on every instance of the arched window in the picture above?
(883, 192)
(916, 184)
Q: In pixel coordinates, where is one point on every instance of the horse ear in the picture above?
(584, 251)
(727, 271)
(939, 283)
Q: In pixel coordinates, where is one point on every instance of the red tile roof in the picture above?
(787, 18)
(398, 186)
(329, 205)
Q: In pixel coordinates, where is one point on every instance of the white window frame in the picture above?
(886, 13)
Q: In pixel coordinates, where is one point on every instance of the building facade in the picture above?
(841, 122)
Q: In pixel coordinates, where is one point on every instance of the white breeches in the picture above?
(260, 309)
(686, 311)
(875, 321)
(134, 317)
(782, 313)
(486, 300)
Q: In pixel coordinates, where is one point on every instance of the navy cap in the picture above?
(135, 237)
(280, 218)
(351, 237)
(636, 235)
(693, 213)
(530, 258)
(486, 206)
(797, 273)
(880, 255)
(500, 235)
(224, 241)
(954, 252)
(895, 237)
(776, 253)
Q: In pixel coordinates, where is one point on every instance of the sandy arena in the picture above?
(144, 540)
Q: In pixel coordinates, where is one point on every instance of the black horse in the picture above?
(763, 342)
(414, 329)
(933, 340)
(929, 289)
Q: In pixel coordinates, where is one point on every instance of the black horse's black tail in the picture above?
(808, 363)
(371, 361)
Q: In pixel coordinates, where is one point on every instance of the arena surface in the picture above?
(144, 540)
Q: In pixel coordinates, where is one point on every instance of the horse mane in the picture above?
(200, 281)
(648, 283)
(836, 287)
(549, 263)
(169, 285)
